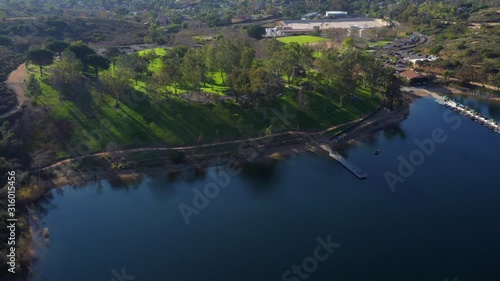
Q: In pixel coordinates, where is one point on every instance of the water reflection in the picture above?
(494, 111)
(125, 182)
(489, 108)
(161, 188)
(270, 215)
(395, 131)
(174, 176)
(45, 203)
(262, 175)
(192, 175)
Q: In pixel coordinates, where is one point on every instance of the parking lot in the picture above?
(400, 53)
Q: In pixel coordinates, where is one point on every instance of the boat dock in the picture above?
(346, 163)
(489, 123)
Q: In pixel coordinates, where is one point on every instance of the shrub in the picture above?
(5, 41)
(177, 156)
(436, 49)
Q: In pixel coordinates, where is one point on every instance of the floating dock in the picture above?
(346, 163)
(489, 123)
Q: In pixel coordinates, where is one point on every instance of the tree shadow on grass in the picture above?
(136, 132)
(83, 101)
(93, 132)
(78, 94)
(139, 103)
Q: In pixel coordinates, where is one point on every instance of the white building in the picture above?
(335, 14)
(272, 32)
(347, 23)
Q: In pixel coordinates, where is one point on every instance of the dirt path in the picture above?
(472, 82)
(15, 82)
(21, 18)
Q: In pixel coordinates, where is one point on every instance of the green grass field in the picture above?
(302, 39)
(379, 43)
(173, 121)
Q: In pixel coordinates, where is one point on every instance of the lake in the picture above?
(303, 218)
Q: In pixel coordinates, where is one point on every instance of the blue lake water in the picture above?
(442, 222)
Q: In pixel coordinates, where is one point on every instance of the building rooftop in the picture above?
(313, 14)
(329, 20)
(336, 12)
(410, 74)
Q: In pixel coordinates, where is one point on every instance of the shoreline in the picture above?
(64, 175)
(357, 130)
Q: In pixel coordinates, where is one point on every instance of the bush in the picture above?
(177, 156)
(256, 31)
(492, 54)
(436, 49)
(5, 41)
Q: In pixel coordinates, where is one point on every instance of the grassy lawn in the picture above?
(156, 64)
(301, 39)
(379, 43)
(140, 122)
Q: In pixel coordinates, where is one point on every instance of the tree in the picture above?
(343, 70)
(496, 81)
(154, 85)
(210, 55)
(229, 55)
(302, 101)
(466, 74)
(302, 53)
(5, 41)
(272, 47)
(392, 91)
(485, 73)
(193, 68)
(81, 51)
(98, 62)
(170, 72)
(256, 31)
(372, 73)
(239, 81)
(66, 74)
(33, 87)
(247, 57)
(264, 86)
(446, 75)
(286, 63)
(112, 54)
(41, 57)
(328, 68)
(57, 46)
(116, 83)
(134, 63)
